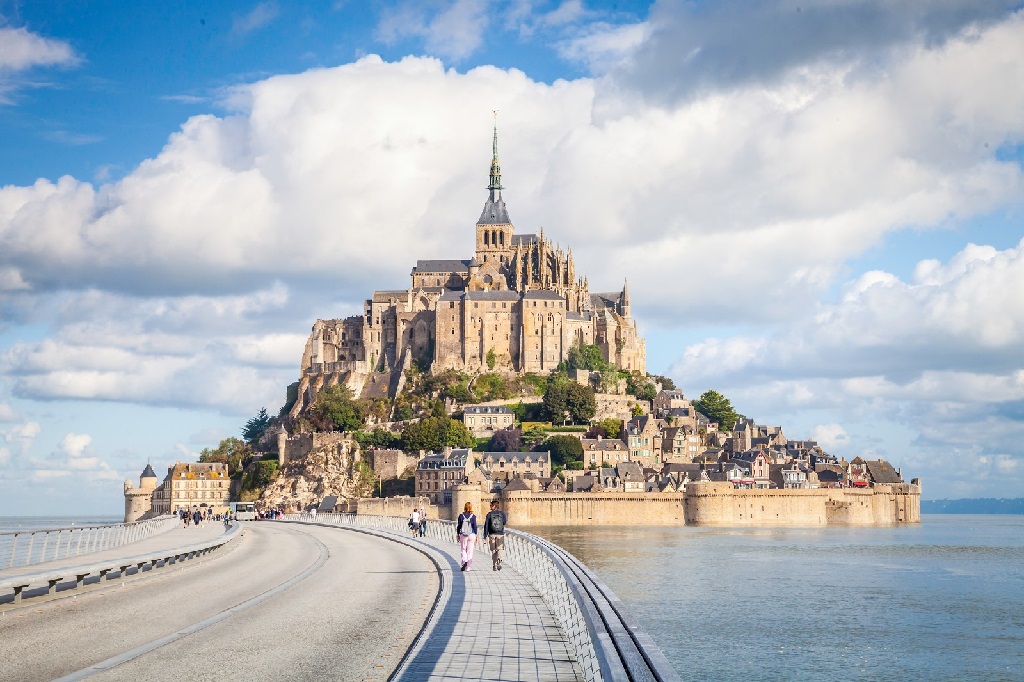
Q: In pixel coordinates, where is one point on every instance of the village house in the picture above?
(437, 473)
(598, 451)
(759, 465)
(642, 435)
(505, 466)
(483, 420)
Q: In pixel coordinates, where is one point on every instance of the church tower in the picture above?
(494, 229)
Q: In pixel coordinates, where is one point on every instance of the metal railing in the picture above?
(29, 547)
(609, 645)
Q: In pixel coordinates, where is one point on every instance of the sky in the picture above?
(818, 207)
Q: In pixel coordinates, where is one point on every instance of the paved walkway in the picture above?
(493, 626)
(169, 540)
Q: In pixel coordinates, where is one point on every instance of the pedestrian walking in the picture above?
(197, 518)
(414, 522)
(494, 534)
(423, 521)
(466, 528)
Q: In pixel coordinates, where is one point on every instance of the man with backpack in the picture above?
(494, 534)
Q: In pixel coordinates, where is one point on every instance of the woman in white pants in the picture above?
(466, 528)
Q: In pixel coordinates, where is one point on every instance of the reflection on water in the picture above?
(940, 600)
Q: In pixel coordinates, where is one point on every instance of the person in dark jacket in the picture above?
(494, 534)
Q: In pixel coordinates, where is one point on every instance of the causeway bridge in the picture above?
(330, 596)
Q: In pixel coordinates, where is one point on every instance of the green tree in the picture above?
(586, 356)
(666, 383)
(556, 396)
(492, 359)
(717, 408)
(378, 438)
(563, 449)
(434, 433)
(336, 409)
(639, 385)
(233, 452)
(609, 428)
(256, 427)
(580, 402)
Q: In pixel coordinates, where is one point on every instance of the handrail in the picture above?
(27, 547)
(52, 576)
(608, 643)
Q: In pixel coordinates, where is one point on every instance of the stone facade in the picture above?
(517, 305)
(188, 485)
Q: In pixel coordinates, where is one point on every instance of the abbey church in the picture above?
(518, 305)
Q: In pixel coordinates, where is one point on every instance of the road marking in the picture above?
(113, 661)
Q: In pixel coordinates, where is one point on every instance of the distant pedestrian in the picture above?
(466, 528)
(197, 518)
(423, 521)
(494, 534)
(414, 522)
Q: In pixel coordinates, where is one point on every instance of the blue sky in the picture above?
(818, 207)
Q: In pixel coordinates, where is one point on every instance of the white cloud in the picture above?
(452, 29)
(74, 444)
(7, 413)
(602, 46)
(259, 16)
(830, 436)
(20, 49)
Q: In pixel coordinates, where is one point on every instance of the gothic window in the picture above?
(487, 238)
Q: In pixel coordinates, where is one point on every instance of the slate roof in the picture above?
(517, 484)
(327, 504)
(441, 266)
(503, 295)
(494, 212)
(148, 472)
(605, 300)
(543, 295)
(524, 239)
(449, 295)
(882, 472)
(488, 409)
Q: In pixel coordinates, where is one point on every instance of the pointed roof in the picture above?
(148, 472)
(494, 212)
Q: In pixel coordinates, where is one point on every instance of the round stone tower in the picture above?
(138, 501)
(463, 493)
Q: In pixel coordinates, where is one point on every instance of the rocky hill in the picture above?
(315, 467)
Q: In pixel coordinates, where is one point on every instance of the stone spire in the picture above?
(494, 212)
(495, 183)
(624, 298)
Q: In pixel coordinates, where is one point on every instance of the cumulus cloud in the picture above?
(449, 28)
(697, 47)
(938, 355)
(191, 351)
(20, 49)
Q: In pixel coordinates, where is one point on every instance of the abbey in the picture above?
(518, 305)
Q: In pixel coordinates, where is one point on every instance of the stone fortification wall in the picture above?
(391, 463)
(719, 504)
(399, 506)
(297, 448)
(703, 504)
(525, 508)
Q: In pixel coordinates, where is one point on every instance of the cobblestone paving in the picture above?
(494, 627)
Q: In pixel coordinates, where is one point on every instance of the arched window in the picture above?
(487, 238)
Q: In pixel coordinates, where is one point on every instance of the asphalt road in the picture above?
(354, 604)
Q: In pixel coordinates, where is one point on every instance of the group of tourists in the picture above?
(197, 517)
(468, 532)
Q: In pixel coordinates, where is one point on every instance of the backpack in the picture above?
(497, 522)
(467, 525)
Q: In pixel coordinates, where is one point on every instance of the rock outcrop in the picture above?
(331, 464)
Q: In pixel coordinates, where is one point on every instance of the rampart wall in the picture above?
(703, 504)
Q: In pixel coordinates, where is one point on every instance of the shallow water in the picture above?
(940, 600)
